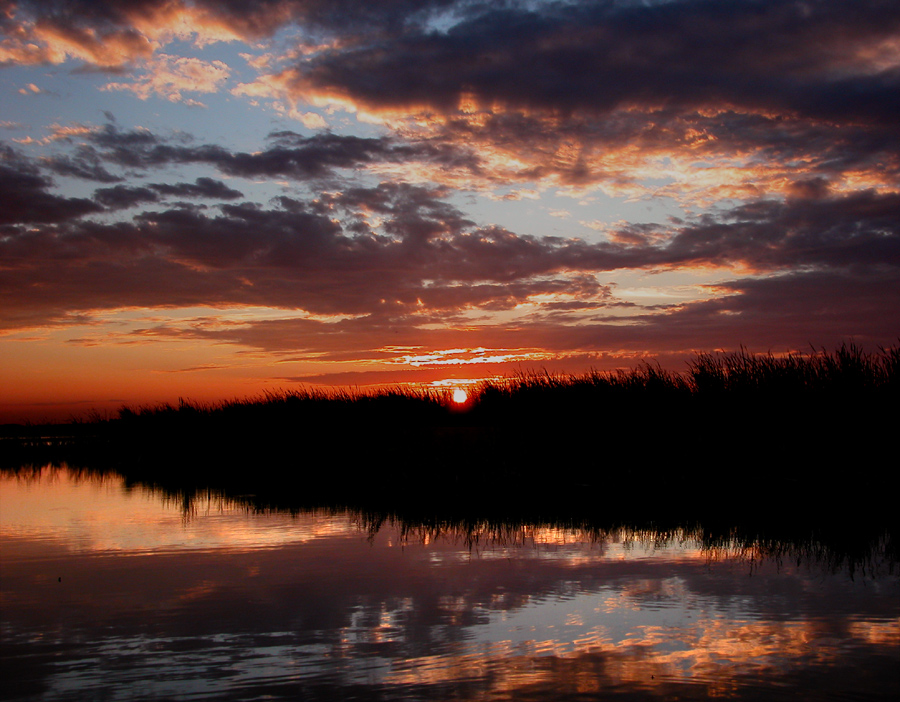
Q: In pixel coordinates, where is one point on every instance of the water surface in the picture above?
(117, 593)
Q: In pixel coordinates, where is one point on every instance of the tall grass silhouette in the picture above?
(779, 431)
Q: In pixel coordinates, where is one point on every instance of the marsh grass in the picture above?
(795, 433)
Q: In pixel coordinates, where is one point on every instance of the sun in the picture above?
(460, 396)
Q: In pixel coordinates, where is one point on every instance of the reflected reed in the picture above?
(862, 545)
(790, 442)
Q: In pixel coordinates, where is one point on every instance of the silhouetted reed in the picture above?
(800, 434)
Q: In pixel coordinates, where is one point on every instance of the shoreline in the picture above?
(810, 435)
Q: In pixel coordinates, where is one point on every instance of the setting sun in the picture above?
(394, 322)
(359, 227)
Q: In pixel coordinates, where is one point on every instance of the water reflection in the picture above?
(113, 592)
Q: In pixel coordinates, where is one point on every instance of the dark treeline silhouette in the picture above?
(801, 435)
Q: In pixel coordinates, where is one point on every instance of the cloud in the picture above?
(779, 314)
(615, 93)
(323, 256)
(289, 155)
(85, 164)
(169, 77)
(123, 196)
(762, 56)
(767, 56)
(31, 89)
(397, 261)
(609, 94)
(742, 155)
(773, 124)
(113, 33)
(788, 311)
(26, 196)
(202, 187)
(856, 229)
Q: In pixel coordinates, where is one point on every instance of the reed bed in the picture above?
(738, 380)
(848, 372)
(767, 429)
(848, 369)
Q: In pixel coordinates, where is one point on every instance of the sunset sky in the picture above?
(208, 199)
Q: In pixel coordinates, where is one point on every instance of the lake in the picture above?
(112, 592)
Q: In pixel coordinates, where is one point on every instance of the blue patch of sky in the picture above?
(560, 215)
(69, 94)
(23, 106)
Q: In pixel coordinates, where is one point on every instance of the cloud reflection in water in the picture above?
(316, 607)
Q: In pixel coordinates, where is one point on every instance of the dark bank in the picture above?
(795, 438)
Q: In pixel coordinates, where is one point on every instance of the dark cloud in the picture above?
(26, 197)
(109, 35)
(582, 149)
(112, 138)
(404, 268)
(399, 256)
(202, 187)
(855, 229)
(425, 259)
(564, 87)
(813, 60)
(123, 196)
(249, 20)
(289, 155)
(85, 163)
(777, 82)
(771, 56)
